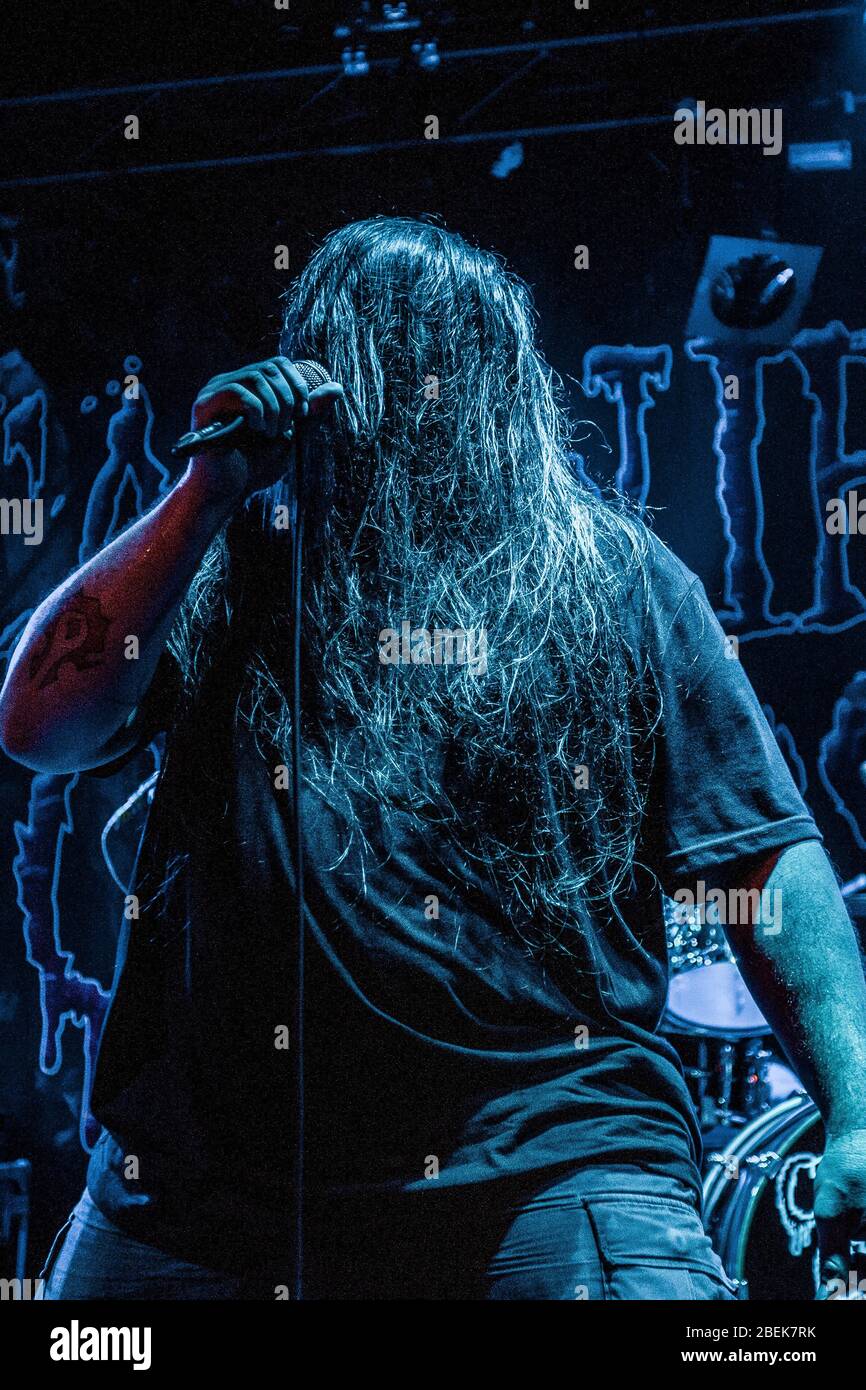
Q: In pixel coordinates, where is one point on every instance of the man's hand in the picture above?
(270, 395)
(840, 1208)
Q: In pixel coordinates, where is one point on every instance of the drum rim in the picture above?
(674, 1024)
(799, 1112)
(742, 1140)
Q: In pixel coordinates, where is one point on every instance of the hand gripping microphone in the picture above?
(198, 440)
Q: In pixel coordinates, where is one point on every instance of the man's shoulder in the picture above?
(670, 578)
(654, 583)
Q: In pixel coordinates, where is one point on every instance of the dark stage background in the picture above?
(119, 265)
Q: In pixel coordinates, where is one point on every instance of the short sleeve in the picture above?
(722, 789)
(155, 714)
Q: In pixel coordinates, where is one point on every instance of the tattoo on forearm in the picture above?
(76, 636)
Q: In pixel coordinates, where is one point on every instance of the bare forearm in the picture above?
(89, 652)
(804, 968)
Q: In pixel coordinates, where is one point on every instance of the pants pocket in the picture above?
(655, 1248)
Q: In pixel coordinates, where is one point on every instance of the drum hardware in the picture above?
(716, 1026)
(732, 1080)
(764, 1162)
(768, 1163)
(758, 1198)
(756, 1094)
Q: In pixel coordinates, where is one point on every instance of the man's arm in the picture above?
(801, 961)
(71, 691)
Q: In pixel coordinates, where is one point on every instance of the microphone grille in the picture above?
(314, 373)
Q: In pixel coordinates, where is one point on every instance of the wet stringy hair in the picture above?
(442, 494)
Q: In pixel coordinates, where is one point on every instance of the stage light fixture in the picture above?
(817, 155)
(510, 157)
(753, 291)
(355, 62)
(426, 55)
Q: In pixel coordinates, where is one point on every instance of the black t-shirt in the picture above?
(439, 1053)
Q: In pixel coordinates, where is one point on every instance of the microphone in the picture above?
(196, 441)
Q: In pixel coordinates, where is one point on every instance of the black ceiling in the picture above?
(505, 69)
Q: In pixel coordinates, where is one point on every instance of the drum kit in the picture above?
(763, 1136)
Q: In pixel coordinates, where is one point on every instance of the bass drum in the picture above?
(758, 1196)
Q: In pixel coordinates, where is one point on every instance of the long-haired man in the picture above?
(519, 727)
